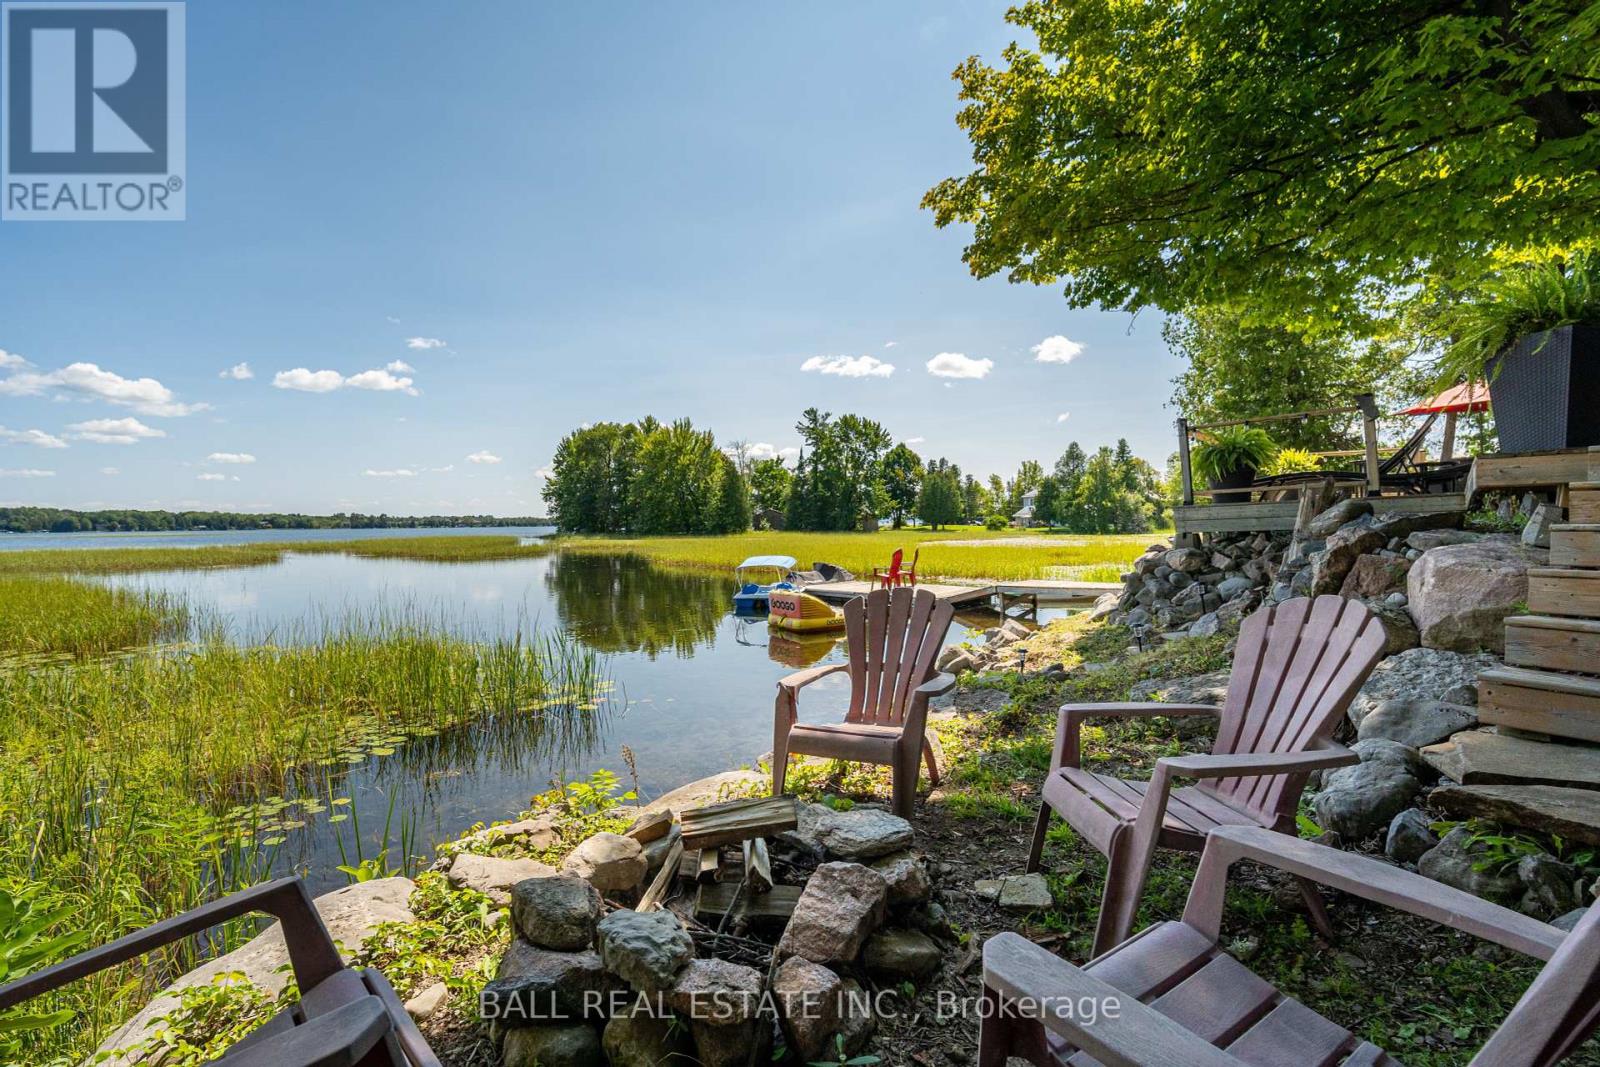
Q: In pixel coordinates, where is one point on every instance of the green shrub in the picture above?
(1526, 300)
(1221, 452)
(1292, 461)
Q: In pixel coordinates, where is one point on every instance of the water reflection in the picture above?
(622, 604)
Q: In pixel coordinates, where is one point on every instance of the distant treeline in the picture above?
(63, 520)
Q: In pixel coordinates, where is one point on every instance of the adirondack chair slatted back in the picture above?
(1296, 669)
(894, 638)
(1558, 1011)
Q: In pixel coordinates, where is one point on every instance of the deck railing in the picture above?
(1366, 406)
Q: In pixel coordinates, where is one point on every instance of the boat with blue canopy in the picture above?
(757, 577)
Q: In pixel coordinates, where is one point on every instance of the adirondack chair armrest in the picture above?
(1362, 876)
(311, 949)
(1325, 756)
(1071, 717)
(1113, 1027)
(938, 685)
(800, 679)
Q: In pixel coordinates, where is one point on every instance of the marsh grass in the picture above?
(43, 561)
(46, 616)
(1027, 555)
(136, 787)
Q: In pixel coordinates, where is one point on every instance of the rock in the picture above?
(609, 862)
(1232, 587)
(896, 955)
(1103, 606)
(1410, 836)
(351, 914)
(907, 875)
(651, 825)
(1185, 560)
(1016, 892)
(1572, 813)
(574, 1045)
(806, 835)
(1485, 757)
(1419, 674)
(808, 997)
(1460, 595)
(1341, 512)
(1570, 920)
(428, 1001)
(1454, 861)
(1536, 534)
(932, 919)
(646, 949)
(712, 789)
(954, 659)
(1356, 802)
(1426, 540)
(643, 1038)
(1416, 723)
(535, 986)
(1207, 625)
(1375, 576)
(557, 912)
(1200, 689)
(536, 833)
(841, 904)
(717, 991)
(493, 876)
(1396, 600)
(863, 834)
(1552, 886)
(1345, 545)
(855, 1017)
(1399, 631)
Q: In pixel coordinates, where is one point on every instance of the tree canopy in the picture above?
(1311, 155)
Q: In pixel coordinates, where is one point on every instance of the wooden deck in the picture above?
(839, 592)
(1274, 515)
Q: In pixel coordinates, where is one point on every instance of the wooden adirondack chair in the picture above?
(890, 578)
(347, 1017)
(893, 637)
(909, 575)
(1181, 1000)
(1296, 669)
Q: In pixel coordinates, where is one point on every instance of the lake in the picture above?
(693, 683)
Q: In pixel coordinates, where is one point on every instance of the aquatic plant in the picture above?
(63, 617)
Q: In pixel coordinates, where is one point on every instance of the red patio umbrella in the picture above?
(1463, 399)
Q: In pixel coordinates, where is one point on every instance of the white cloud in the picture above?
(114, 431)
(424, 343)
(400, 472)
(1063, 417)
(110, 470)
(483, 456)
(399, 366)
(31, 437)
(381, 381)
(957, 365)
(308, 381)
(11, 359)
(303, 380)
(544, 472)
(211, 477)
(890, 344)
(915, 440)
(231, 457)
(87, 381)
(239, 372)
(849, 366)
(1057, 349)
(766, 450)
(25, 472)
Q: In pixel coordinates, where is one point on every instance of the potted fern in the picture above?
(1535, 336)
(1229, 458)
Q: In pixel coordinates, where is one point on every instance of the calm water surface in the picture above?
(693, 692)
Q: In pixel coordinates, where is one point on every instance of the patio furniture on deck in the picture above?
(894, 637)
(890, 578)
(1295, 671)
(1181, 1000)
(346, 1017)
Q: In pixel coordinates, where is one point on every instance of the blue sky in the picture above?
(435, 237)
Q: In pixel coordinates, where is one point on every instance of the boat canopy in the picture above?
(781, 562)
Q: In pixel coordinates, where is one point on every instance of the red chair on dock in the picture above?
(894, 576)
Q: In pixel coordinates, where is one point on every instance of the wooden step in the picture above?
(1583, 502)
(1562, 705)
(1575, 544)
(1553, 643)
(1564, 591)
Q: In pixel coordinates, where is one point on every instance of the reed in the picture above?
(136, 787)
(466, 549)
(63, 617)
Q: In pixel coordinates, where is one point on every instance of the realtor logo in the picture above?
(93, 100)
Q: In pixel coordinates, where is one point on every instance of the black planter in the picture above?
(1545, 391)
(1238, 478)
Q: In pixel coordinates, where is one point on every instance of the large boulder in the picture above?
(1460, 595)
(573, 1045)
(1459, 860)
(1375, 576)
(901, 955)
(1359, 801)
(493, 876)
(644, 1037)
(722, 1002)
(609, 862)
(1572, 813)
(863, 834)
(1417, 723)
(1421, 674)
(841, 904)
(536, 986)
(1332, 565)
(1335, 516)
(647, 949)
(809, 997)
(1399, 629)
(558, 912)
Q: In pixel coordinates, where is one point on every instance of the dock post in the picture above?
(1369, 433)
(1183, 461)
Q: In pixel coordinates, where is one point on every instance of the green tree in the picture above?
(769, 484)
(902, 482)
(1047, 505)
(1237, 371)
(587, 491)
(731, 512)
(972, 509)
(1312, 156)
(939, 503)
(1025, 481)
(674, 485)
(843, 482)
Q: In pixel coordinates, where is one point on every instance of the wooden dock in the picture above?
(839, 592)
(1043, 589)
